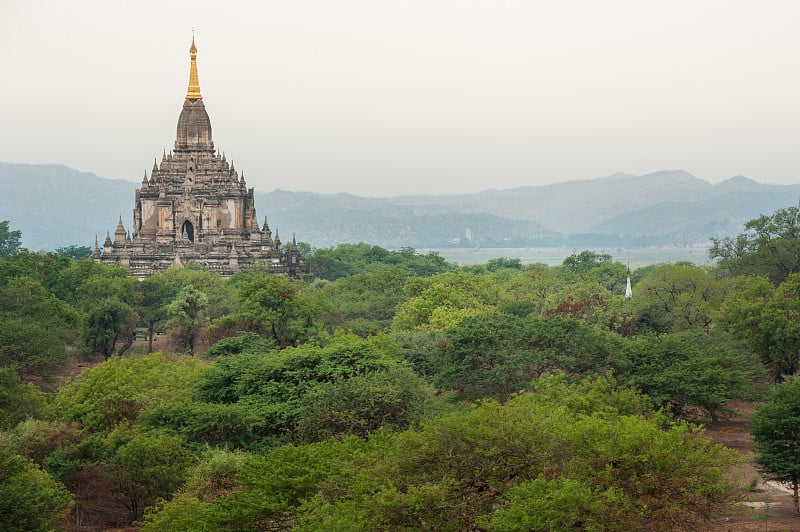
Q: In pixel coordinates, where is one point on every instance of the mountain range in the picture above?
(57, 206)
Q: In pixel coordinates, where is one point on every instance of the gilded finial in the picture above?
(194, 84)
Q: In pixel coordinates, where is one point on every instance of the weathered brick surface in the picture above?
(196, 207)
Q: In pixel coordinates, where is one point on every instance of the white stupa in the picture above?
(628, 291)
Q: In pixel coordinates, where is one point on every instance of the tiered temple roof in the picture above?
(195, 207)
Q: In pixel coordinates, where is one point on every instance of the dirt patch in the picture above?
(764, 506)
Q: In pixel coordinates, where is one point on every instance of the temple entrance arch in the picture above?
(187, 231)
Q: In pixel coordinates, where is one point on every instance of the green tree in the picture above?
(584, 300)
(492, 467)
(30, 500)
(43, 267)
(558, 504)
(597, 267)
(34, 328)
(249, 342)
(257, 400)
(396, 398)
(769, 246)
(18, 401)
(688, 371)
(535, 290)
(585, 261)
(108, 284)
(277, 307)
(74, 252)
(10, 241)
(109, 322)
(498, 466)
(146, 467)
(496, 354)
(363, 303)
(187, 317)
(769, 320)
(500, 263)
(67, 282)
(776, 429)
(117, 390)
(676, 297)
(348, 259)
(220, 292)
(29, 349)
(440, 302)
(243, 491)
(156, 295)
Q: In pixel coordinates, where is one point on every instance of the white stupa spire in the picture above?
(628, 290)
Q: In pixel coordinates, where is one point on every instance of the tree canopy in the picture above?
(10, 241)
(770, 246)
(776, 429)
(393, 391)
(568, 457)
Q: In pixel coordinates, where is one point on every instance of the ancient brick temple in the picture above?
(195, 207)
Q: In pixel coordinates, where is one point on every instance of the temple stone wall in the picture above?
(196, 208)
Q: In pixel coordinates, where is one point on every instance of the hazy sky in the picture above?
(382, 98)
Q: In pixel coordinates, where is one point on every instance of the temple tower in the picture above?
(195, 207)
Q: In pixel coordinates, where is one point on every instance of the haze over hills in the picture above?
(56, 206)
(624, 204)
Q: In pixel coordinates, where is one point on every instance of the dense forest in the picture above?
(392, 390)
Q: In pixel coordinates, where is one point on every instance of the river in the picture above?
(555, 256)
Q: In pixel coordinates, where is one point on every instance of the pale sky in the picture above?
(382, 98)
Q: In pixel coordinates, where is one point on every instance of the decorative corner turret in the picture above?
(266, 234)
(96, 250)
(120, 235)
(294, 260)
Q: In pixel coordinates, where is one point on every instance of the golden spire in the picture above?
(194, 85)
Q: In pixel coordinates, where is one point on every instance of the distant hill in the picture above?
(574, 206)
(56, 206)
(329, 219)
(662, 208)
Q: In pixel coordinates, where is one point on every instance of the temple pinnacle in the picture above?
(194, 84)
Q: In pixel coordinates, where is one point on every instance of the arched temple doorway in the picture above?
(187, 231)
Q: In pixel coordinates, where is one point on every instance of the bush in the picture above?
(29, 498)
